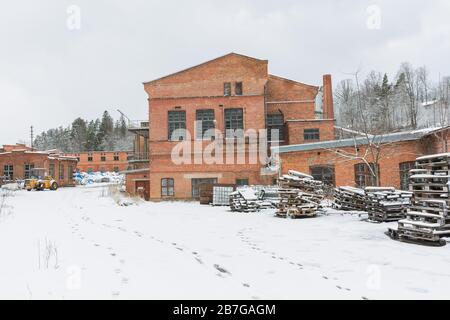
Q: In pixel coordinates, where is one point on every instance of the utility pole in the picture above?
(32, 137)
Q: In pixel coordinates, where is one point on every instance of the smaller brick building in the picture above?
(102, 161)
(338, 162)
(17, 164)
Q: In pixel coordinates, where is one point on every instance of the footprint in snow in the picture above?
(118, 271)
(221, 269)
(125, 280)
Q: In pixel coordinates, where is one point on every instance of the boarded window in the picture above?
(238, 90)
(275, 126)
(197, 183)
(364, 176)
(8, 171)
(326, 174)
(177, 121)
(227, 89)
(205, 122)
(311, 134)
(234, 120)
(167, 187)
(27, 170)
(405, 168)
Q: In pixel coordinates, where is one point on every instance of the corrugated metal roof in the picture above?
(388, 138)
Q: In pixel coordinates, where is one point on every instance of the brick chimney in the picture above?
(328, 105)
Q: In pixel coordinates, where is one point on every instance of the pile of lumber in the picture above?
(387, 204)
(244, 200)
(300, 195)
(349, 199)
(427, 219)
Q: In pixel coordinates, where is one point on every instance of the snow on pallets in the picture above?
(300, 195)
(349, 199)
(244, 200)
(427, 219)
(387, 204)
(381, 204)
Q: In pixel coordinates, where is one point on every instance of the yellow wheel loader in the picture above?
(40, 181)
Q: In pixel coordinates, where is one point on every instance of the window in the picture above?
(69, 172)
(61, 171)
(197, 183)
(227, 89)
(405, 168)
(364, 176)
(116, 157)
(234, 120)
(238, 89)
(27, 171)
(8, 171)
(90, 157)
(103, 158)
(116, 169)
(205, 122)
(177, 120)
(311, 134)
(324, 174)
(275, 123)
(51, 170)
(167, 187)
(242, 182)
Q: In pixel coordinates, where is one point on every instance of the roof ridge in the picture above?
(204, 63)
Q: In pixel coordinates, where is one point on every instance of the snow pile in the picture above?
(11, 187)
(84, 178)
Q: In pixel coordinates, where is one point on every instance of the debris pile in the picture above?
(88, 178)
(300, 195)
(427, 220)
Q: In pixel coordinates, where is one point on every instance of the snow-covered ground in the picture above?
(77, 243)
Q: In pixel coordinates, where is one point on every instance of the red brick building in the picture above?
(227, 93)
(102, 161)
(18, 163)
(341, 163)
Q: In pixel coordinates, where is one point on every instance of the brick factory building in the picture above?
(337, 163)
(102, 161)
(17, 164)
(227, 93)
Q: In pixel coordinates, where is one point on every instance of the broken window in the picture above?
(177, 122)
(238, 89)
(275, 125)
(167, 187)
(405, 168)
(364, 176)
(227, 89)
(205, 122)
(325, 174)
(311, 134)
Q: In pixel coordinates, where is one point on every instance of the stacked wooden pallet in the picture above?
(296, 204)
(387, 204)
(349, 199)
(244, 200)
(300, 195)
(428, 219)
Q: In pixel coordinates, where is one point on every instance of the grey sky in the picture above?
(49, 74)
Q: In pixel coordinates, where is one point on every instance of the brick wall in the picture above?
(98, 164)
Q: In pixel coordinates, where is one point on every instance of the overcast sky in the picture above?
(53, 69)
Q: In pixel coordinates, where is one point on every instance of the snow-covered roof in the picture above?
(360, 140)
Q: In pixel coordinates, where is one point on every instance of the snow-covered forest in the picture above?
(105, 134)
(377, 104)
